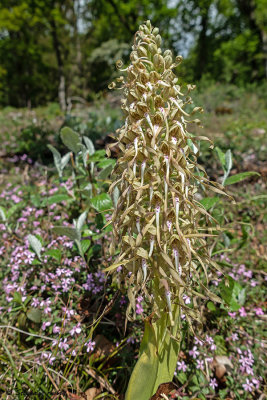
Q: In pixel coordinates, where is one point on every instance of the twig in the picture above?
(52, 380)
(100, 380)
(26, 333)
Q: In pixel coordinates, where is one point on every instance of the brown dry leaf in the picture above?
(103, 382)
(73, 396)
(221, 365)
(92, 393)
(223, 360)
(182, 355)
(103, 347)
(258, 131)
(164, 388)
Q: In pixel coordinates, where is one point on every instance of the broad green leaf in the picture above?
(35, 244)
(55, 253)
(106, 162)
(17, 297)
(57, 158)
(104, 173)
(233, 294)
(71, 233)
(85, 244)
(239, 177)
(35, 315)
(157, 360)
(209, 202)
(13, 209)
(57, 198)
(99, 155)
(182, 378)
(88, 232)
(89, 144)
(102, 202)
(144, 375)
(71, 139)
(36, 200)
(211, 306)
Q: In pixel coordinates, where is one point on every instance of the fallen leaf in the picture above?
(223, 360)
(103, 382)
(164, 388)
(73, 396)
(221, 365)
(92, 393)
(103, 347)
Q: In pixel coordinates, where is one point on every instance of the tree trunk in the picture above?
(77, 15)
(264, 47)
(62, 91)
(202, 44)
(61, 77)
(247, 8)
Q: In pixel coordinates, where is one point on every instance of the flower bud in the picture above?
(158, 61)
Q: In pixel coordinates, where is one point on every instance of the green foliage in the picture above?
(70, 139)
(233, 294)
(102, 202)
(45, 44)
(239, 177)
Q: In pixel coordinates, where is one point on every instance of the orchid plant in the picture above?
(158, 222)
